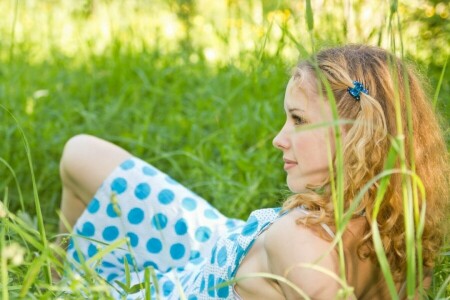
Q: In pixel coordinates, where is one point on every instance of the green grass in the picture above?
(209, 122)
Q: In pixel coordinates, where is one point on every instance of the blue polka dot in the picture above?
(181, 227)
(88, 229)
(202, 285)
(111, 277)
(167, 288)
(110, 211)
(239, 251)
(250, 227)
(93, 206)
(166, 196)
(171, 180)
(196, 261)
(159, 221)
(222, 256)
(149, 171)
(189, 204)
(128, 258)
(202, 234)
(92, 250)
(119, 185)
(192, 297)
(107, 264)
(222, 289)
(142, 191)
(211, 284)
(211, 214)
(177, 251)
(151, 264)
(213, 254)
(134, 239)
(233, 237)
(110, 233)
(277, 210)
(230, 224)
(154, 245)
(77, 257)
(194, 254)
(152, 290)
(135, 216)
(128, 164)
(70, 244)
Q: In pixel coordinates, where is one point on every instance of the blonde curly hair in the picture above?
(367, 141)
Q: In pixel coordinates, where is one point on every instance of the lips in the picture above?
(288, 164)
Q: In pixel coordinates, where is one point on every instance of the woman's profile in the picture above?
(198, 253)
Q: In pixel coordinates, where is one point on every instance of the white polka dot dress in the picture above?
(193, 249)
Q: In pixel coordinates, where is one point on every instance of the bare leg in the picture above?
(85, 163)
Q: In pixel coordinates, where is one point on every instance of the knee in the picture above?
(87, 160)
(74, 154)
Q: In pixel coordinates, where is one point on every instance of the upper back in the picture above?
(363, 275)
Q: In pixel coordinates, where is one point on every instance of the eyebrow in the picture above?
(295, 109)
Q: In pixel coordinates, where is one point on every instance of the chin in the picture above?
(295, 187)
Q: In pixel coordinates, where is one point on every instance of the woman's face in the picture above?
(305, 151)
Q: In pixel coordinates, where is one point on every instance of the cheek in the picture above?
(311, 148)
(309, 141)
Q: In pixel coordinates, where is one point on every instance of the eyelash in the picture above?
(298, 120)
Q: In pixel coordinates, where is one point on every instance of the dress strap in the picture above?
(324, 226)
(235, 294)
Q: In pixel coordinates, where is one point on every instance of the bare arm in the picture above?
(290, 247)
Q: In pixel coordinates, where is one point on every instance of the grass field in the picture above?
(197, 92)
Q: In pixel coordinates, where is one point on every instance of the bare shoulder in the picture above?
(292, 249)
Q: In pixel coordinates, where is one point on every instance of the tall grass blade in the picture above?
(147, 283)
(443, 288)
(109, 248)
(278, 278)
(300, 47)
(3, 262)
(310, 22)
(338, 186)
(266, 38)
(127, 272)
(26, 236)
(13, 31)
(19, 190)
(155, 281)
(438, 87)
(47, 270)
(382, 259)
(32, 273)
(381, 191)
(309, 16)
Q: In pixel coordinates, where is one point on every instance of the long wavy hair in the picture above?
(366, 142)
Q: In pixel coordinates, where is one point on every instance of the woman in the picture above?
(197, 252)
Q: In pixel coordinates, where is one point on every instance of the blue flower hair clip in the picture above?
(357, 89)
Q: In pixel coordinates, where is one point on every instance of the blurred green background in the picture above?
(194, 87)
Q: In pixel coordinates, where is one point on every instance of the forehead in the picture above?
(302, 95)
(299, 91)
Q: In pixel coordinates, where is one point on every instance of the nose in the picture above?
(280, 141)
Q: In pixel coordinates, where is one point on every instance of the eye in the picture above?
(298, 120)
